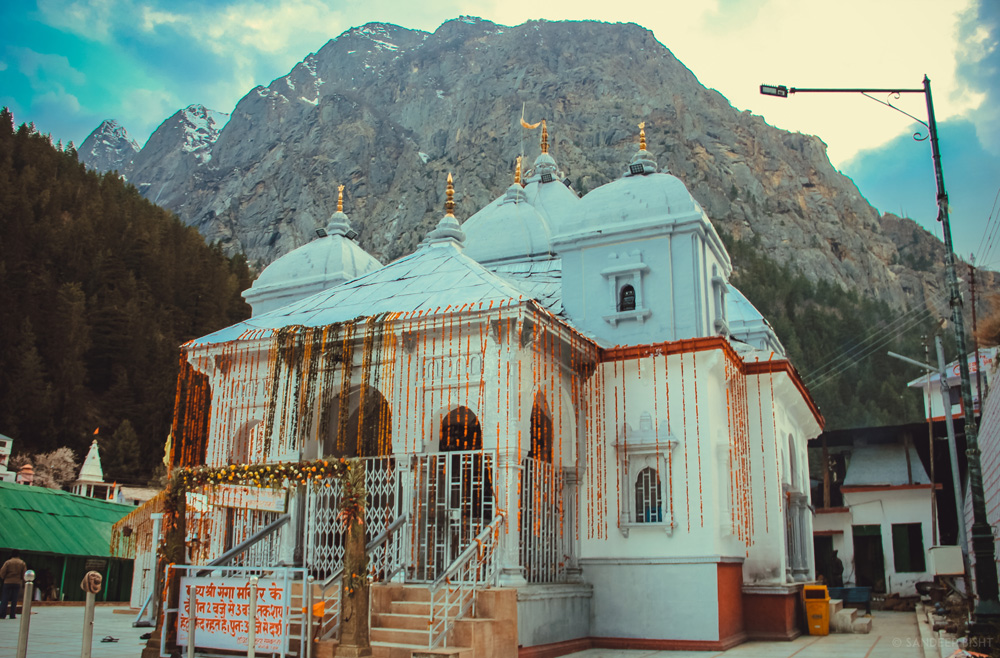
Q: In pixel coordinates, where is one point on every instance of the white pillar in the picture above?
(508, 475)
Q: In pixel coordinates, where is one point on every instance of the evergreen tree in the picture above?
(100, 288)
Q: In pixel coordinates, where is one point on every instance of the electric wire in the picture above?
(990, 233)
(874, 347)
(840, 355)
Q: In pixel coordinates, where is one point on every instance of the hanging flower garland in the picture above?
(272, 476)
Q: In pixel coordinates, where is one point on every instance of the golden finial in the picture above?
(545, 138)
(642, 136)
(340, 199)
(517, 171)
(449, 205)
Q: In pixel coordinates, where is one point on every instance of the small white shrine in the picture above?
(576, 373)
(91, 482)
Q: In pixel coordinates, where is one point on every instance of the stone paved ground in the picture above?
(57, 632)
(894, 634)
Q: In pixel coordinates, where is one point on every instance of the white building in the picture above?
(883, 530)
(930, 385)
(576, 370)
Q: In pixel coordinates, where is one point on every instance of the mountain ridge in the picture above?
(388, 111)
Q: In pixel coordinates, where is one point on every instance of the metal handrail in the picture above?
(228, 556)
(330, 590)
(478, 561)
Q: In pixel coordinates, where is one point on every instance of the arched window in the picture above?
(648, 500)
(626, 298)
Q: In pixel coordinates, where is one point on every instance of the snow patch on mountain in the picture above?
(201, 128)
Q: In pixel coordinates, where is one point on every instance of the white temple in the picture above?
(578, 372)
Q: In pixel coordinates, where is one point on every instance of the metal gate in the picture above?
(241, 524)
(326, 533)
(453, 501)
(540, 525)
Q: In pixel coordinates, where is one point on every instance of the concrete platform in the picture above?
(57, 632)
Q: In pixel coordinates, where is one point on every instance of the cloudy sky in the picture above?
(67, 65)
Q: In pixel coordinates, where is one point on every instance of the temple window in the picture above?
(625, 284)
(644, 464)
(626, 300)
(648, 497)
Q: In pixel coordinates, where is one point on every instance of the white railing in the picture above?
(542, 542)
(386, 554)
(454, 592)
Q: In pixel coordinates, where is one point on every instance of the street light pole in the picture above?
(987, 609)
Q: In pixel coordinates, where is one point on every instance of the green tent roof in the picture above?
(51, 521)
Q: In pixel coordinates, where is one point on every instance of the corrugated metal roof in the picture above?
(52, 521)
(884, 465)
(433, 277)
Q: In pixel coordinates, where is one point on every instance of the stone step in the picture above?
(836, 605)
(443, 652)
(420, 608)
(863, 625)
(324, 649)
(395, 620)
(399, 650)
(417, 637)
(843, 621)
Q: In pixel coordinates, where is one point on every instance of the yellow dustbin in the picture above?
(817, 600)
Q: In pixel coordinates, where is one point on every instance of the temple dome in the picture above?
(636, 201)
(508, 229)
(323, 263)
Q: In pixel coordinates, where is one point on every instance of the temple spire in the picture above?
(642, 162)
(517, 171)
(448, 230)
(545, 137)
(340, 198)
(449, 204)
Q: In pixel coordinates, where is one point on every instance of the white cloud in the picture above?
(3, 65)
(56, 101)
(92, 19)
(41, 68)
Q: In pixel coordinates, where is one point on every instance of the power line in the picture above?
(874, 347)
(841, 355)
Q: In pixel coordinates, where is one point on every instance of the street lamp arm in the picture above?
(833, 90)
(913, 362)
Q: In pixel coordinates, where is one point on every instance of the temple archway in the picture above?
(364, 431)
(460, 430)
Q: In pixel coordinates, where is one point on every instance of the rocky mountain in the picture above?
(181, 145)
(388, 111)
(108, 148)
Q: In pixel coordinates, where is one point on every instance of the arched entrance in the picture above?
(453, 493)
(363, 430)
